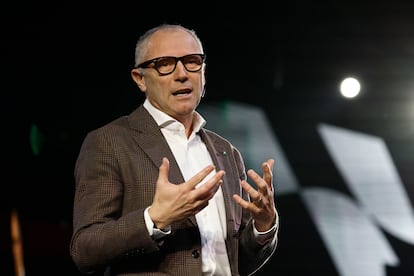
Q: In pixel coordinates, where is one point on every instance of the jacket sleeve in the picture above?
(98, 219)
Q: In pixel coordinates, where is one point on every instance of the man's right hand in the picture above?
(176, 202)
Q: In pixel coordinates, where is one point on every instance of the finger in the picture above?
(245, 204)
(271, 163)
(210, 187)
(240, 201)
(253, 193)
(268, 172)
(197, 178)
(259, 181)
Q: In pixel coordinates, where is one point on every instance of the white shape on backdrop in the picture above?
(367, 167)
(356, 245)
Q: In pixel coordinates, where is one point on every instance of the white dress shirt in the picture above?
(192, 156)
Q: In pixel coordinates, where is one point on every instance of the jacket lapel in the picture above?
(149, 137)
(220, 153)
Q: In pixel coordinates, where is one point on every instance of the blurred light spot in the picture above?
(36, 139)
(350, 87)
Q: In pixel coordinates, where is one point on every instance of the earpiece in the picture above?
(205, 82)
(204, 91)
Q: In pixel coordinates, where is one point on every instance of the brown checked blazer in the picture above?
(115, 174)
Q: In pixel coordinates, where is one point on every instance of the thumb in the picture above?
(164, 170)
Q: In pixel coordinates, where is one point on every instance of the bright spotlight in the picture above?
(350, 87)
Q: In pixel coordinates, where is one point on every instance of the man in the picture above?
(156, 192)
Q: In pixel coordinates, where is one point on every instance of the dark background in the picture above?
(66, 70)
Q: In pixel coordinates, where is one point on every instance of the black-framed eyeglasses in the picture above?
(167, 65)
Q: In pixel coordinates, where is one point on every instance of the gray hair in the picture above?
(141, 46)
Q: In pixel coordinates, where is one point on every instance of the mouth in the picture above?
(182, 92)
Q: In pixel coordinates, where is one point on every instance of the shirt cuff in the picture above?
(155, 233)
(264, 237)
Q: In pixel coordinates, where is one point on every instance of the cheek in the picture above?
(153, 85)
(157, 90)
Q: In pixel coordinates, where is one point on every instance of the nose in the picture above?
(180, 69)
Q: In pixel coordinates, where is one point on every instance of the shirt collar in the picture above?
(163, 120)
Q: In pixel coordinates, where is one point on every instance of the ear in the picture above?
(138, 79)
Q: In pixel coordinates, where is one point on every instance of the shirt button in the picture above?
(195, 254)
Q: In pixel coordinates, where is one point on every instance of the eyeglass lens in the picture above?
(166, 65)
